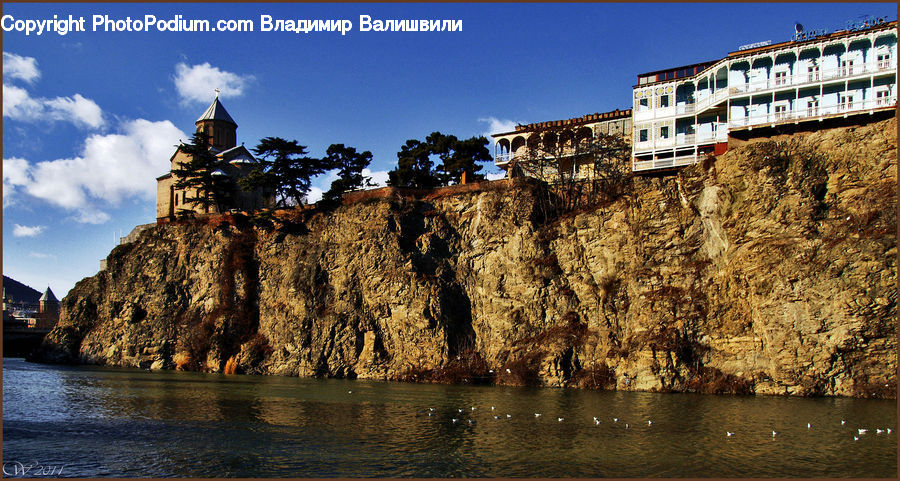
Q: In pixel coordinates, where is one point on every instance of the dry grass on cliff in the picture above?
(467, 368)
(710, 380)
(594, 377)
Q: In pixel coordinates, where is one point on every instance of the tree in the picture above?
(462, 158)
(349, 164)
(285, 170)
(202, 177)
(415, 167)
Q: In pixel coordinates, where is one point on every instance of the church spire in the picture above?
(218, 125)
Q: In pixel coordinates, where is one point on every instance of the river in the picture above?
(98, 422)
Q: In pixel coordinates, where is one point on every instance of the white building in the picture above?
(683, 113)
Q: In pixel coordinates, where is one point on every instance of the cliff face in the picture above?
(770, 270)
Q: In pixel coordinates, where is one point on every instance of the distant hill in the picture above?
(19, 292)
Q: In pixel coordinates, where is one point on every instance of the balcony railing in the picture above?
(710, 100)
(679, 161)
(503, 158)
(800, 79)
(718, 134)
(814, 112)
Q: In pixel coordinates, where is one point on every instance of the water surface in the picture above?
(93, 422)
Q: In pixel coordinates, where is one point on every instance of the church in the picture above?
(237, 163)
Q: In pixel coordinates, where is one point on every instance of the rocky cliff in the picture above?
(770, 269)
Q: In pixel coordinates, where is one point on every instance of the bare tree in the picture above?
(582, 168)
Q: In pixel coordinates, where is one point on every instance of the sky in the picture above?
(91, 118)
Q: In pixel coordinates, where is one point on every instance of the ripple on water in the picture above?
(120, 422)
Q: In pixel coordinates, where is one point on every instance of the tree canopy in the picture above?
(285, 170)
(349, 164)
(415, 167)
(202, 176)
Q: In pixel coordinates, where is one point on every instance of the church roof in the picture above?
(237, 155)
(48, 296)
(216, 112)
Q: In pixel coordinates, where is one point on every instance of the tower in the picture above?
(48, 314)
(218, 125)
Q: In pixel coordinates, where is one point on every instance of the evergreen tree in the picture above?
(349, 164)
(202, 177)
(462, 157)
(285, 170)
(415, 167)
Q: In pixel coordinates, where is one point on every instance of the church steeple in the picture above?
(218, 125)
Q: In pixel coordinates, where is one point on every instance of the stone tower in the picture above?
(48, 313)
(218, 125)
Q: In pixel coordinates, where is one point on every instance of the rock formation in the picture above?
(770, 269)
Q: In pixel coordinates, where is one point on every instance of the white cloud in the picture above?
(378, 177)
(197, 83)
(19, 67)
(314, 195)
(41, 255)
(110, 168)
(15, 173)
(19, 105)
(27, 231)
(90, 216)
(497, 126)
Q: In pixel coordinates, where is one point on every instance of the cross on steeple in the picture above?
(217, 92)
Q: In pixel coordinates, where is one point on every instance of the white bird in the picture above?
(508, 416)
(843, 422)
(862, 431)
(595, 418)
(560, 419)
(473, 408)
(492, 408)
(615, 420)
(470, 421)
(729, 433)
(855, 438)
(496, 417)
(808, 425)
(508, 371)
(455, 420)
(649, 423)
(349, 392)
(431, 414)
(879, 431)
(889, 430)
(597, 421)
(773, 434)
(626, 425)
(431, 409)
(460, 410)
(537, 415)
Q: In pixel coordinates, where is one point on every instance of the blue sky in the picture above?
(91, 118)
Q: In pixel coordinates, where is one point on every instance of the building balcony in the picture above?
(815, 112)
(804, 79)
(671, 162)
(504, 158)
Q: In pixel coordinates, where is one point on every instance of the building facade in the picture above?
(682, 114)
(237, 162)
(561, 137)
